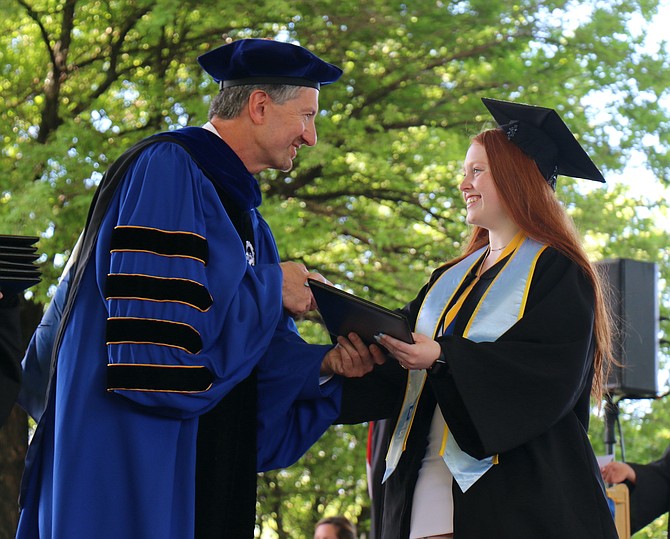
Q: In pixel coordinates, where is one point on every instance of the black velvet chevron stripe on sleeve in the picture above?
(122, 330)
(168, 378)
(151, 288)
(160, 242)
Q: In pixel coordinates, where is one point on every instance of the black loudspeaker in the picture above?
(634, 303)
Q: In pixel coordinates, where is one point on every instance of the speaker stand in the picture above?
(611, 419)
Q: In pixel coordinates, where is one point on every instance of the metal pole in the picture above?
(611, 418)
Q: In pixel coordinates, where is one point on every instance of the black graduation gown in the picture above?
(650, 495)
(525, 397)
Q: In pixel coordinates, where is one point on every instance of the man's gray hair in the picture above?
(229, 102)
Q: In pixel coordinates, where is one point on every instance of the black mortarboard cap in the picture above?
(18, 270)
(542, 135)
(263, 61)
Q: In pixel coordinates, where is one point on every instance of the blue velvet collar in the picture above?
(221, 164)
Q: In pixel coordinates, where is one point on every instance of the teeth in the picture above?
(471, 200)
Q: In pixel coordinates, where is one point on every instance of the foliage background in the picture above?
(374, 206)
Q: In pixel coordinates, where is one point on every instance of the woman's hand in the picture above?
(420, 355)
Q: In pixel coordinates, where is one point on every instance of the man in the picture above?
(176, 345)
(649, 486)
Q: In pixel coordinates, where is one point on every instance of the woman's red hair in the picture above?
(533, 206)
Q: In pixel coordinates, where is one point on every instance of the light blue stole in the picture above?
(501, 306)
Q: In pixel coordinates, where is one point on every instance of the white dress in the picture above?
(433, 505)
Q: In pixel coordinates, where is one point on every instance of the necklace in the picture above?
(498, 249)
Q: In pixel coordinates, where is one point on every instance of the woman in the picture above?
(511, 340)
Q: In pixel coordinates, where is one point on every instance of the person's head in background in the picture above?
(334, 528)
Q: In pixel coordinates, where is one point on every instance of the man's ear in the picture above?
(258, 103)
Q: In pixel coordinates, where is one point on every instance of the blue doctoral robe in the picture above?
(168, 317)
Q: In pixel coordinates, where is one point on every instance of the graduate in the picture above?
(489, 407)
(177, 370)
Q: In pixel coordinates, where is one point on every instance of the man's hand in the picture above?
(296, 294)
(352, 357)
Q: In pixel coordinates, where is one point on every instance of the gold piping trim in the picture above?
(164, 300)
(108, 343)
(155, 253)
(161, 230)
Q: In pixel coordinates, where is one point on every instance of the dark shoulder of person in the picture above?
(555, 275)
(10, 353)
(555, 266)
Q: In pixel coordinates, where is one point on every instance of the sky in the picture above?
(638, 180)
(645, 184)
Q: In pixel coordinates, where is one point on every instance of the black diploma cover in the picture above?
(343, 313)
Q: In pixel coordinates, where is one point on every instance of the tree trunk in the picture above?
(14, 439)
(14, 442)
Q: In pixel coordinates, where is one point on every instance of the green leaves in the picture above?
(375, 205)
